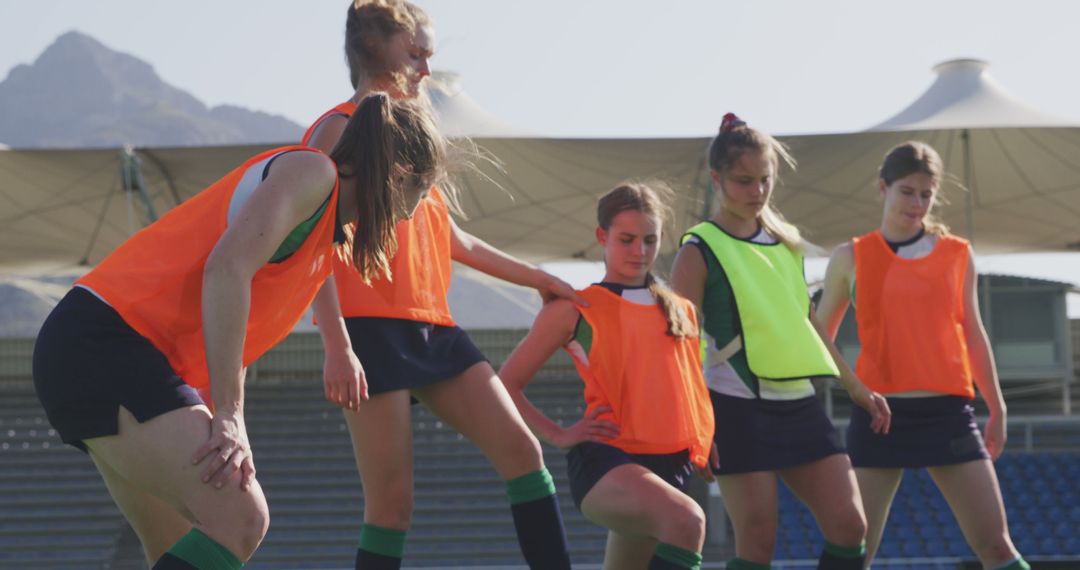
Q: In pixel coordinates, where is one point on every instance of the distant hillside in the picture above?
(80, 93)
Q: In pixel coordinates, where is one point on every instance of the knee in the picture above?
(846, 529)
(389, 506)
(242, 525)
(519, 455)
(684, 526)
(255, 522)
(755, 538)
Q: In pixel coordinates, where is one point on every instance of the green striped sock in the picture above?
(384, 541)
(1016, 564)
(204, 553)
(740, 564)
(530, 487)
(680, 556)
(856, 551)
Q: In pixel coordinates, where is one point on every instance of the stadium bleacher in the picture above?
(55, 512)
(1042, 501)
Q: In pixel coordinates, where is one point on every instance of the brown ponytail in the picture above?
(388, 147)
(649, 199)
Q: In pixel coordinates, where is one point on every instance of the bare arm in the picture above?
(552, 329)
(835, 297)
(983, 368)
(478, 254)
(688, 273)
(869, 400)
(297, 185)
(328, 132)
(344, 381)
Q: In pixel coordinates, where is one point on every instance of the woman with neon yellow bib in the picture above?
(743, 269)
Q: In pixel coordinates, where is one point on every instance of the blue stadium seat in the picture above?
(906, 533)
(912, 549)
(936, 547)
(937, 500)
(900, 515)
(801, 550)
(792, 534)
(958, 548)
(1049, 545)
(929, 531)
(1048, 499)
(945, 518)
(1033, 514)
(889, 549)
(1027, 544)
(952, 532)
(1040, 529)
(1064, 529)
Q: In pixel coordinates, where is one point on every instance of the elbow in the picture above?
(221, 269)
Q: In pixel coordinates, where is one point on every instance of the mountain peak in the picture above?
(75, 39)
(79, 92)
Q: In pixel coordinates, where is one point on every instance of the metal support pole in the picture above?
(969, 183)
(1065, 338)
(132, 178)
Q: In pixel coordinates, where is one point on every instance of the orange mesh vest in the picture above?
(651, 381)
(154, 279)
(910, 314)
(420, 271)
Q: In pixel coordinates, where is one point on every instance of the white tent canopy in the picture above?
(965, 96)
(1021, 167)
(60, 208)
(461, 116)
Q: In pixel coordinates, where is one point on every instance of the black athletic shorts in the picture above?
(589, 461)
(399, 354)
(88, 363)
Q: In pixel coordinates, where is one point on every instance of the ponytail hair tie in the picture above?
(730, 122)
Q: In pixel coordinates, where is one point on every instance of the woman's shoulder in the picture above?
(305, 164)
(843, 254)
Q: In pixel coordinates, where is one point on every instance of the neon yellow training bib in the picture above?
(773, 306)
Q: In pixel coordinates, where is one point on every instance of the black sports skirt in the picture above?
(935, 430)
(767, 435)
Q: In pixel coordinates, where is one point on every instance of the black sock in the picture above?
(380, 548)
(835, 557)
(541, 534)
(366, 560)
(170, 562)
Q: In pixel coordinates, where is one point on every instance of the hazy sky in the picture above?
(596, 68)
(605, 68)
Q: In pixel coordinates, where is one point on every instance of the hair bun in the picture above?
(730, 122)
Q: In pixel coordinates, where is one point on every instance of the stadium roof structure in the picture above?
(1020, 167)
(64, 208)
